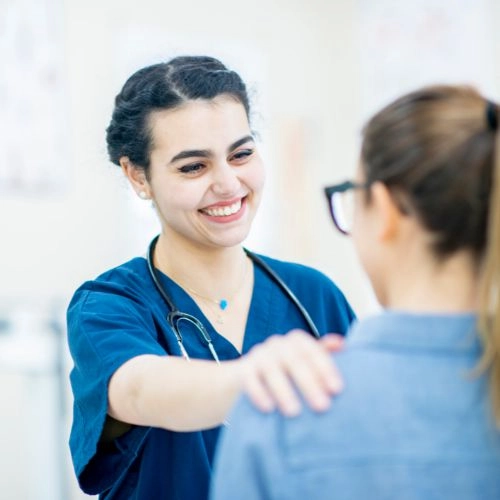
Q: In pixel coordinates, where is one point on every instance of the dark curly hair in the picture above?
(165, 86)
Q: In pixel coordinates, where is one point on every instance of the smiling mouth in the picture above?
(223, 211)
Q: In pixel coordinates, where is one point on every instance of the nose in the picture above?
(225, 180)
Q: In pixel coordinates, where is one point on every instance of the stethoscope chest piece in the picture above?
(176, 318)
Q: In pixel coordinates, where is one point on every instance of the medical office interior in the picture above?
(317, 69)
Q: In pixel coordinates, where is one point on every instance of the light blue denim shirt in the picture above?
(412, 423)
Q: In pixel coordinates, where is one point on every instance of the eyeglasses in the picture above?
(341, 204)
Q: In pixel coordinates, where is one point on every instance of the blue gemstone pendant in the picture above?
(223, 304)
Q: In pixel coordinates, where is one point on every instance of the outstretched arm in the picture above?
(174, 394)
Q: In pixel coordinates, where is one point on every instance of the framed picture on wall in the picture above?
(33, 124)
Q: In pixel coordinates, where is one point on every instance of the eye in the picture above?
(242, 155)
(192, 168)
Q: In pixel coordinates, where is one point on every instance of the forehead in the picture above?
(199, 124)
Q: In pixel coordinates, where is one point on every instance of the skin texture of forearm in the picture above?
(174, 394)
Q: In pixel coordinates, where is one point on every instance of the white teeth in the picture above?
(224, 211)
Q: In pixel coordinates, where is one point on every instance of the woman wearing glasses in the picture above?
(420, 414)
(163, 345)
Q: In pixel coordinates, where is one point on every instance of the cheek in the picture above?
(253, 174)
(371, 264)
(177, 196)
(364, 242)
(369, 254)
(256, 177)
(363, 249)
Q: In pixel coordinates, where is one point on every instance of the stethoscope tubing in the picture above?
(286, 289)
(174, 310)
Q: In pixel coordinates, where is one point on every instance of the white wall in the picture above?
(299, 54)
(304, 55)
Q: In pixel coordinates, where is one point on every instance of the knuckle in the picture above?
(274, 340)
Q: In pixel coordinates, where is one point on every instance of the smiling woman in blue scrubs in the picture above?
(146, 419)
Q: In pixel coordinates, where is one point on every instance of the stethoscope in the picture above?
(175, 317)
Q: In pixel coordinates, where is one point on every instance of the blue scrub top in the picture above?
(121, 315)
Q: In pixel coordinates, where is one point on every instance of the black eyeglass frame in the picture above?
(341, 188)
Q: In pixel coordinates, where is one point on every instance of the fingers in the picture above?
(270, 388)
(332, 342)
(314, 372)
(285, 366)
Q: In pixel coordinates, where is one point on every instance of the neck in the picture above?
(422, 284)
(212, 272)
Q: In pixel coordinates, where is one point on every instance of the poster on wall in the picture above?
(404, 45)
(33, 128)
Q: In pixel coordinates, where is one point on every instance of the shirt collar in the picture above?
(445, 332)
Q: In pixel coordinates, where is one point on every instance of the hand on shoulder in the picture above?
(284, 366)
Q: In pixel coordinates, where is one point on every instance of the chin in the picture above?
(231, 240)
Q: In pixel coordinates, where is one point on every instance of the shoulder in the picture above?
(313, 287)
(124, 289)
(316, 292)
(293, 272)
(128, 273)
(114, 312)
(128, 278)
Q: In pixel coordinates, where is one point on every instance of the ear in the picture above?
(389, 215)
(136, 177)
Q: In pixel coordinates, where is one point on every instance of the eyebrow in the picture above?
(206, 153)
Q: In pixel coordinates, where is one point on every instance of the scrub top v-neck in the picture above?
(120, 315)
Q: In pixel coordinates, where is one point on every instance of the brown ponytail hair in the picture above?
(489, 312)
(438, 151)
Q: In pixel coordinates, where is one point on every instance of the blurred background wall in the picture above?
(316, 70)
